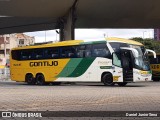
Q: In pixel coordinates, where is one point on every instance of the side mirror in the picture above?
(134, 51)
(154, 53)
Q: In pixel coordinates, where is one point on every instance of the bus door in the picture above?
(127, 65)
(123, 65)
(117, 68)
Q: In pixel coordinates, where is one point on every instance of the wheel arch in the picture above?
(104, 74)
(39, 74)
(28, 74)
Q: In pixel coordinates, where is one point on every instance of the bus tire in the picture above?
(122, 83)
(107, 79)
(30, 79)
(40, 79)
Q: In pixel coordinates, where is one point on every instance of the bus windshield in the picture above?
(141, 62)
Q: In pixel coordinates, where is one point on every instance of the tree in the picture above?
(149, 43)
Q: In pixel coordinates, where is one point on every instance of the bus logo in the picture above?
(43, 63)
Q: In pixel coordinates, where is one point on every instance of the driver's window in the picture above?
(116, 60)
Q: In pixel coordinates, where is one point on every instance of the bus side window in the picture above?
(51, 53)
(100, 50)
(72, 52)
(15, 55)
(81, 51)
(26, 55)
(88, 51)
(68, 52)
(84, 51)
(63, 52)
(38, 54)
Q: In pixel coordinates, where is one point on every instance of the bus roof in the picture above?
(114, 39)
(78, 42)
(63, 43)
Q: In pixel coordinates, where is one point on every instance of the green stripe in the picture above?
(82, 67)
(70, 67)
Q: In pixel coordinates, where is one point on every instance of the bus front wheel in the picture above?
(122, 83)
(30, 79)
(107, 79)
(40, 79)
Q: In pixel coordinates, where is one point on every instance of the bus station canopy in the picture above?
(36, 15)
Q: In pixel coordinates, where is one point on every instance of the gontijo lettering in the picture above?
(43, 63)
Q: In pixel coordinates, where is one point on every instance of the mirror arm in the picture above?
(154, 53)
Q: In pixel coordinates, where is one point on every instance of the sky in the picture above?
(93, 34)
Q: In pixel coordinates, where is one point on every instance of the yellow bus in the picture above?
(109, 61)
(155, 67)
(2, 63)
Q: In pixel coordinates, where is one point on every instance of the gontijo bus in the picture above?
(109, 61)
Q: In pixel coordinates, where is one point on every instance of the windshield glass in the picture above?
(141, 62)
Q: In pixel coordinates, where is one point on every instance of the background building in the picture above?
(7, 42)
(157, 34)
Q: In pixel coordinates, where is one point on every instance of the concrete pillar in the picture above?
(69, 26)
(61, 34)
(67, 29)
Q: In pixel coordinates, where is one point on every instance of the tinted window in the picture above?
(116, 46)
(100, 50)
(51, 53)
(26, 55)
(15, 54)
(68, 52)
(1, 51)
(84, 51)
(80, 51)
(38, 54)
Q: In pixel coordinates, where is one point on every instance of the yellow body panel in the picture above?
(2, 66)
(155, 67)
(20, 68)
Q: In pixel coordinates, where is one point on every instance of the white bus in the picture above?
(130, 58)
(109, 61)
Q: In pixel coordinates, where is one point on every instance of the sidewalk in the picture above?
(5, 74)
